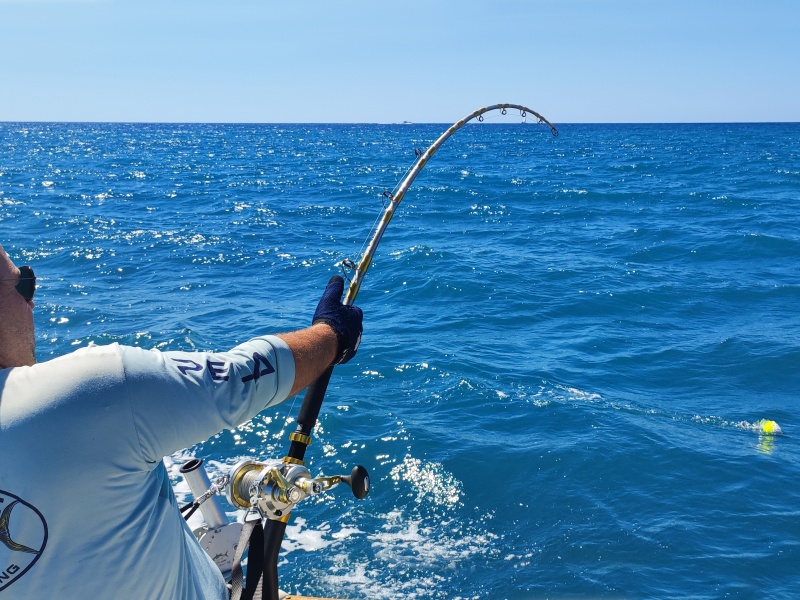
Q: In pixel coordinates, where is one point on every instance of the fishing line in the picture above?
(291, 408)
(347, 264)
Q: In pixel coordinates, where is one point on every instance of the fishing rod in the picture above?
(270, 490)
(397, 196)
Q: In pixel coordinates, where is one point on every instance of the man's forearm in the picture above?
(313, 349)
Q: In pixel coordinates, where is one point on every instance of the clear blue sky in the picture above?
(388, 61)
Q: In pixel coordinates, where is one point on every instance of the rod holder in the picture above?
(199, 483)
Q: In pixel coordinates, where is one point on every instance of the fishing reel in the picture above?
(274, 488)
(270, 488)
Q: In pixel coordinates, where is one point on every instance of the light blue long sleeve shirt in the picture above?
(86, 506)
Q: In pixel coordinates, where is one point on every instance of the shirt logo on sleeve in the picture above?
(23, 536)
(187, 365)
(259, 359)
(217, 369)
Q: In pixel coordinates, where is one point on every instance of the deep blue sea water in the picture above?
(569, 341)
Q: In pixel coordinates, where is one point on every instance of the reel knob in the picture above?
(358, 480)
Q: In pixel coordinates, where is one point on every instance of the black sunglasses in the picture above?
(27, 283)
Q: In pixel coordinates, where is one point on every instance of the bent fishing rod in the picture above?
(269, 491)
(315, 393)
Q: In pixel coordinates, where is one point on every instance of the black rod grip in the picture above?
(312, 401)
(309, 411)
(273, 537)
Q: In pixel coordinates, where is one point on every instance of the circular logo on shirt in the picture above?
(23, 536)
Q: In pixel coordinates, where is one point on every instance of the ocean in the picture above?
(569, 341)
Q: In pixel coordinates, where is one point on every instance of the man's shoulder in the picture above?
(65, 389)
(87, 353)
(89, 362)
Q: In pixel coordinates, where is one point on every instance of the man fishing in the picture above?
(86, 506)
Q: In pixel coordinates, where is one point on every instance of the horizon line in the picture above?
(533, 122)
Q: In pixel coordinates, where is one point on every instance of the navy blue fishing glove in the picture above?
(344, 320)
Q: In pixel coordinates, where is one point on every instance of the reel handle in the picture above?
(358, 480)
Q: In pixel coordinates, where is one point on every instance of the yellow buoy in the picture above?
(770, 427)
